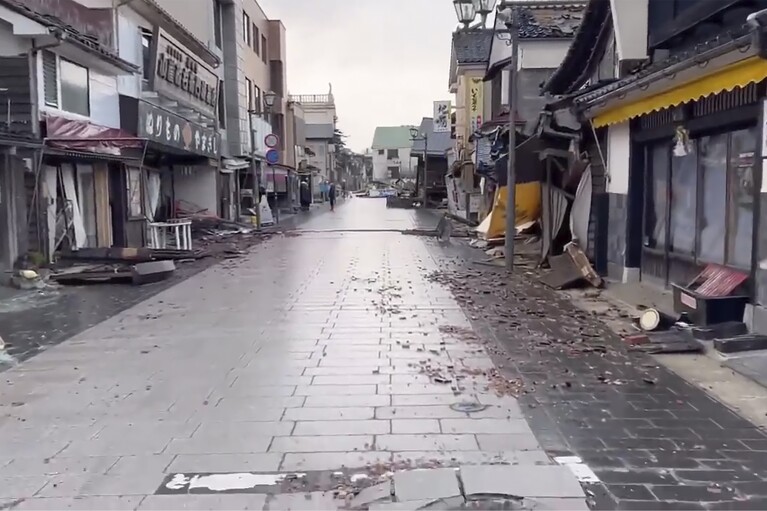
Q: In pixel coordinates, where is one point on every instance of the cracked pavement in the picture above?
(322, 370)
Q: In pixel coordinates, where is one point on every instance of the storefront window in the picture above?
(657, 197)
(713, 207)
(740, 215)
(683, 201)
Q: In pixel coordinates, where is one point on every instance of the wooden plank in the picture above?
(103, 211)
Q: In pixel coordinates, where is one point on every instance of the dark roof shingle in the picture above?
(549, 22)
(85, 41)
(472, 46)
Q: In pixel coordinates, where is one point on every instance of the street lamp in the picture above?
(466, 11)
(484, 8)
(415, 134)
(270, 98)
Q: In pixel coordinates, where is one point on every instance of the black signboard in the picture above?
(169, 129)
(182, 75)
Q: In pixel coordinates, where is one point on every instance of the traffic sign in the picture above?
(272, 156)
(271, 140)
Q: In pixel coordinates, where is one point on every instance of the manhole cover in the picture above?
(468, 407)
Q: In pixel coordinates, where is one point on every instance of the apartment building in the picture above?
(320, 126)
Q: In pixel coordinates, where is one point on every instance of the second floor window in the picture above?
(256, 40)
(66, 85)
(217, 21)
(263, 49)
(146, 53)
(392, 154)
(249, 94)
(246, 34)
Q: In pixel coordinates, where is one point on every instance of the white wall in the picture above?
(381, 164)
(630, 22)
(197, 185)
(319, 116)
(542, 54)
(11, 45)
(618, 151)
(320, 158)
(130, 49)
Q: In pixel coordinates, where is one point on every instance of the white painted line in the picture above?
(228, 482)
(582, 472)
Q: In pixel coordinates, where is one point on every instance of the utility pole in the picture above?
(511, 169)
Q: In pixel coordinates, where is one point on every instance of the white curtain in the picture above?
(151, 194)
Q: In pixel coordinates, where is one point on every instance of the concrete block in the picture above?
(521, 481)
(430, 484)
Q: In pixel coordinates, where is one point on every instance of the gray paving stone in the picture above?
(372, 494)
(413, 426)
(303, 501)
(57, 465)
(322, 443)
(203, 502)
(416, 388)
(369, 379)
(524, 481)
(335, 390)
(428, 399)
(426, 442)
(80, 503)
(417, 412)
(271, 391)
(343, 427)
(211, 444)
(512, 442)
(329, 414)
(546, 504)
(438, 483)
(353, 362)
(261, 462)
(21, 487)
(491, 426)
(411, 505)
(416, 459)
(216, 430)
(370, 400)
(333, 460)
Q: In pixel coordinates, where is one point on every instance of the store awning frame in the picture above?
(737, 75)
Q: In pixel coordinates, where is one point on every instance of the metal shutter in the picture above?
(50, 79)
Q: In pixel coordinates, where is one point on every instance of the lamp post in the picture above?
(262, 112)
(416, 135)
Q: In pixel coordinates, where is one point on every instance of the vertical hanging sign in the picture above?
(476, 103)
(441, 116)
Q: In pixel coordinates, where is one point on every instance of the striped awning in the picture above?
(740, 74)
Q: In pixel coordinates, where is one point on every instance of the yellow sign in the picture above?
(476, 103)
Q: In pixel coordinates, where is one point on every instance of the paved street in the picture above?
(323, 370)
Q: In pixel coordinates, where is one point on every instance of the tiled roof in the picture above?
(549, 22)
(85, 41)
(392, 137)
(23, 136)
(472, 46)
(586, 50)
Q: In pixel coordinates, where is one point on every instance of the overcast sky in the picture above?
(388, 60)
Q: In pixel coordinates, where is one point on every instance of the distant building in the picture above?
(392, 147)
(320, 127)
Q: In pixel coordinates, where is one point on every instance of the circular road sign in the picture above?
(271, 140)
(272, 156)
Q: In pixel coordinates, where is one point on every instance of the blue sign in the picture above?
(272, 156)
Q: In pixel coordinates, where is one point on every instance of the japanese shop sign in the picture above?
(170, 129)
(183, 76)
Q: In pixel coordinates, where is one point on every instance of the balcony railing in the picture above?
(308, 99)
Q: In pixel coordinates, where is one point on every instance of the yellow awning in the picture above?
(740, 74)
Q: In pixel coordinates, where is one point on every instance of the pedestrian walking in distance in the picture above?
(332, 196)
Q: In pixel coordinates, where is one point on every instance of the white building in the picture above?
(391, 149)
